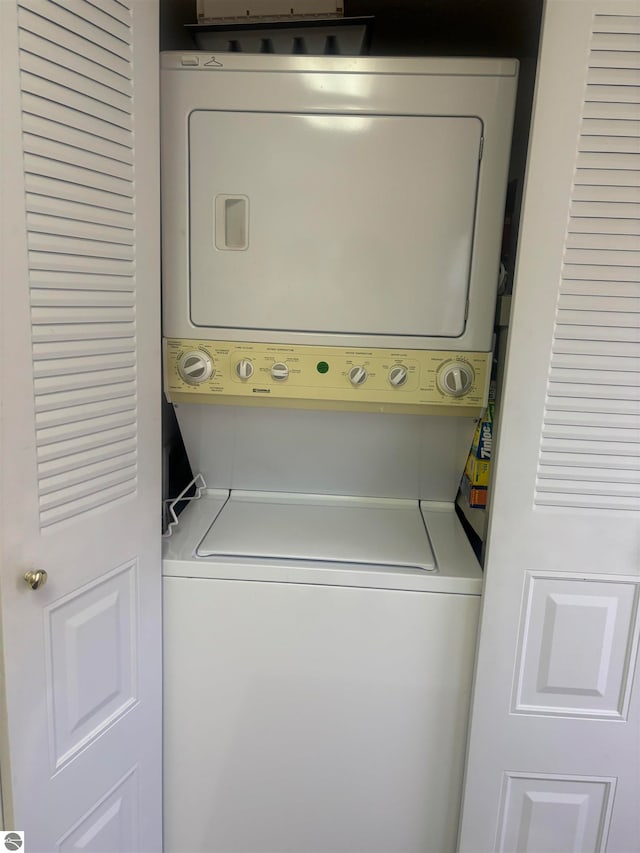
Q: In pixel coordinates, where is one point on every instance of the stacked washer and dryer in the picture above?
(331, 238)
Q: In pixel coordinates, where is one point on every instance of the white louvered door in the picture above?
(80, 451)
(554, 752)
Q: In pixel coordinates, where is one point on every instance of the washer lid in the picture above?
(371, 531)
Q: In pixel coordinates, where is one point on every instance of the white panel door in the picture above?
(554, 754)
(81, 722)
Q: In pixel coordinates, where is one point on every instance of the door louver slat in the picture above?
(39, 108)
(613, 76)
(75, 42)
(609, 144)
(75, 297)
(617, 160)
(77, 211)
(601, 257)
(78, 140)
(94, 501)
(46, 224)
(611, 319)
(587, 392)
(600, 361)
(596, 349)
(624, 211)
(98, 484)
(66, 78)
(71, 155)
(87, 473)
(613, 127)
(595, 225)
(88, 382)
(70, 400)
(56, 435)
(619, 58)
(112, 36)
(92, 13)
(62, 333)
(84, 459)
(85, 364)
(58, 170)
(625, 110)
(40, 241)
(616, 41)
(37, 46)
(117, 9)
(582, 464)
(615, 289)
(612, 96)
(590, 448)
(64, 449)
(593, 406)
(86, 104)
(591, 418)
(611, 475)
(117, 405)
(618, 24)
(609, 193)
(602, 273)
(54, 188)
(593, 240)
(79, 263)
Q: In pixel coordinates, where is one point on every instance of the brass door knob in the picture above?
(35, 579)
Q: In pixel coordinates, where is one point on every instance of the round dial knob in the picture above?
(455, 379)
(195, 367)
(244, 368)
(280, 371)
(398, 375)
(357, 375)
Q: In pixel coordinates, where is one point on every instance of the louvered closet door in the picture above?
(554, 755)
(81, 749)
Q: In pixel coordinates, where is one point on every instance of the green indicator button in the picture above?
(322, 367)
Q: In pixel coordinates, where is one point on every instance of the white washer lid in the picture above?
(371, 531)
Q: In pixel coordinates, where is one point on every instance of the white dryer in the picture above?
(331, 237)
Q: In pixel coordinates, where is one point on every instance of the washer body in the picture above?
(316, 705)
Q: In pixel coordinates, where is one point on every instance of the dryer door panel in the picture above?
(332, 223)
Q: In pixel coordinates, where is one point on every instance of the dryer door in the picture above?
(332, 223)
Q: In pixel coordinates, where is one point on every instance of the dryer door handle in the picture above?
(231, 217)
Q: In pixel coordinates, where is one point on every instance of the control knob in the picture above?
(195, 367)
(280, 371)
(398, 375)
(456, 378)
(357, 375)
(244, 369)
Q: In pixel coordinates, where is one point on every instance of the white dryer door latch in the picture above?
(231, 218)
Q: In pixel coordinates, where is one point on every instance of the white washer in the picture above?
(316, 705)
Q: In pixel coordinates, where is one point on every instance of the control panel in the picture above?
(240, 373)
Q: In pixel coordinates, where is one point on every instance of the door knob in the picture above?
(35, 579)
